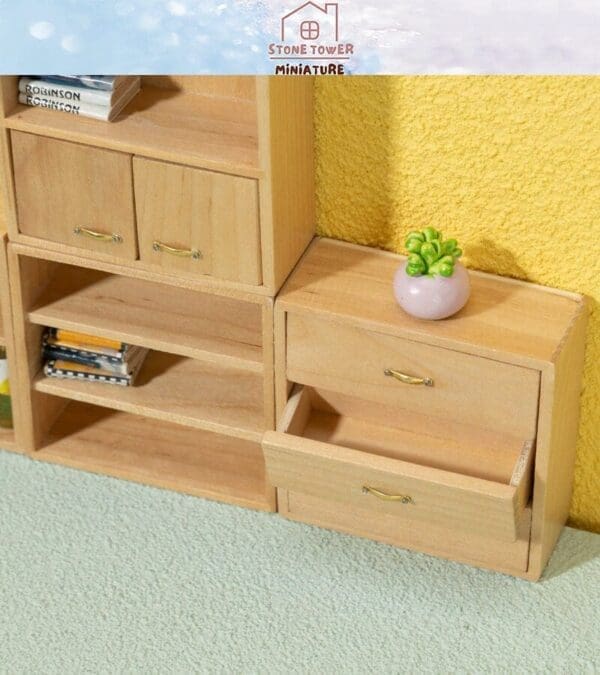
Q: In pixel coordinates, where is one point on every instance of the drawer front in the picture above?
(389, 487)
(197, 222)
(483, 550)
(75, 195)
(465, 389)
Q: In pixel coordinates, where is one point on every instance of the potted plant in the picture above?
(431, 284)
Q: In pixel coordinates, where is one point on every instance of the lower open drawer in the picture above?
(321, 451)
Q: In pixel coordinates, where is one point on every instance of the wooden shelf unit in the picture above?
(219, 133)
(208, 379)
(220, 129)
(200, 395)
(220, 166)
(146, 313)
(197, 205)
(473, 463)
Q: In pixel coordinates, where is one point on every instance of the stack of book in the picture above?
(78, 356)
(102, 97)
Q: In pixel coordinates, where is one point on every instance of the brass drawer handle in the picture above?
(405, 499)
(408, 379)
(98, 236)
(192, 253)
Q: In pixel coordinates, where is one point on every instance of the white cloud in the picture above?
(71, 44)
(41, 30)
(149, 22)
(176, 8)
(172, 40)
(124, 8)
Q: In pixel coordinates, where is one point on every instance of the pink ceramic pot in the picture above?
(432, 297)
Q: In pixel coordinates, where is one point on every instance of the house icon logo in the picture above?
(310, 22)
(309, 42)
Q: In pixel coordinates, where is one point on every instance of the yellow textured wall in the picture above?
(508, 165)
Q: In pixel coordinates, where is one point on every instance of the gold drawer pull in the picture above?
(408, 379)
(99, 236)
(192, 253)
(405, 499)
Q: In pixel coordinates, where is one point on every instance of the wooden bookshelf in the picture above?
(210, 132)
(157, 453)
(172, 228)
(254, 128)
(200, 395)
(199, 325)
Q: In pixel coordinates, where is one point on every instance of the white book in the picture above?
(98, 112)
(69, 93)
(74, 108)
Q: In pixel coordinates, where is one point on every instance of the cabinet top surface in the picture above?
(505, 319)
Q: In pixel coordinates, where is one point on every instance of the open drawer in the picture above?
(335, 448)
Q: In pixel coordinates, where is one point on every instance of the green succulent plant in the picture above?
(429, 255)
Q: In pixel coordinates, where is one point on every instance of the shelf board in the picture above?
(210, 132)
(202, 326)
(177, 389)
(159, 454)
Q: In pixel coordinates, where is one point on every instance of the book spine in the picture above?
(82, 109)
(50, 370)
(64, 92)
(52, 353)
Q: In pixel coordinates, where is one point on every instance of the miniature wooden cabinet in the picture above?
(171, 228)
(454, 437)
(207, 177)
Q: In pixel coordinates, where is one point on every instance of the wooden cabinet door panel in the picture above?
(197, 222)
(74, 194)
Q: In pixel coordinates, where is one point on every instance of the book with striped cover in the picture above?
(76, 371)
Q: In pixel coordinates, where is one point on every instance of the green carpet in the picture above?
(103, 576)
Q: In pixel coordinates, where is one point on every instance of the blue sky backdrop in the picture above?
(231, 36)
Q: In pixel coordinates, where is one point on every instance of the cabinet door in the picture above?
(197, 222)
(74, 194)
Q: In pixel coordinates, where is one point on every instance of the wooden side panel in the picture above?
(7, 440)
(286, 154)
(8, 94)
(8, 100)
(555, 458)
(281, 383)
(183, 210)
(67, 192)
(37, 412)
(269, 382)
